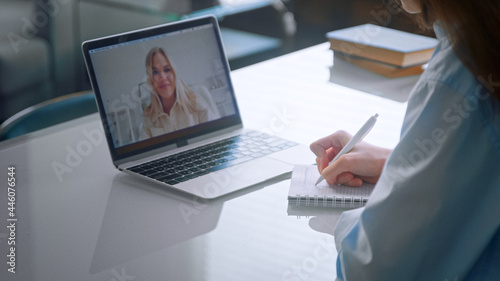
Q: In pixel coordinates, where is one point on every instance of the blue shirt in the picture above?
(435, 211)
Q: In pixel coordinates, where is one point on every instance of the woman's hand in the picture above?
(363, 163)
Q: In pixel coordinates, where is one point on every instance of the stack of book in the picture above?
(388, 52)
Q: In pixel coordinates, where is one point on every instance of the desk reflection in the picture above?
(321, 219)
(351, 76)
(140, 221)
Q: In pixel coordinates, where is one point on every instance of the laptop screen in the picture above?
(161, 85)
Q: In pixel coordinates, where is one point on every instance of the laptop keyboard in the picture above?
(212, 157)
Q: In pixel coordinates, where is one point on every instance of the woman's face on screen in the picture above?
(163, 76)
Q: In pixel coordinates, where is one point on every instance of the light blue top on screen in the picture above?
(435, 212)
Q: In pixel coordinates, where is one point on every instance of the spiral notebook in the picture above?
(303, 192)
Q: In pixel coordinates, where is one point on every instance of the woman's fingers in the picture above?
(327, 148)
(363, 163)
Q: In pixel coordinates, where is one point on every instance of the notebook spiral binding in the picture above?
(325, 201)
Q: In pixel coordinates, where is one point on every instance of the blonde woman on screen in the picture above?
(173, 105)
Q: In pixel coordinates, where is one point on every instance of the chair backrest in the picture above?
(48, 113)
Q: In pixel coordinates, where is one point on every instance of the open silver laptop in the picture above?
(170, 115)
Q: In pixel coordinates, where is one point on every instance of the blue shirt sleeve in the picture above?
(435, 211)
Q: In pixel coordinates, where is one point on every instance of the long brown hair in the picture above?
(186, 96)
(473, 30)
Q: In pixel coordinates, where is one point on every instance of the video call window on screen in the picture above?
(155, 86)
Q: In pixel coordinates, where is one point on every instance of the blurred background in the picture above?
(40, 40)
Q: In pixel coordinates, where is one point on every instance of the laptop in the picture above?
(170, 115)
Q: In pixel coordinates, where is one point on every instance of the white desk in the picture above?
(99, 224)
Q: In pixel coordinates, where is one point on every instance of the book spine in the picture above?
(374, 53)
(386, 70)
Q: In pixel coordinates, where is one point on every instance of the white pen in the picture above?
(354, 140)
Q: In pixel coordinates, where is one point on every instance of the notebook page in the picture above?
(302, 188)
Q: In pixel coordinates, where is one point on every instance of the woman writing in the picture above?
(435, 211)
(173, 105)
